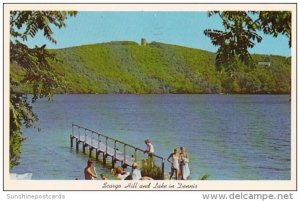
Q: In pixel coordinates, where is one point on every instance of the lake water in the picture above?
(230, 137)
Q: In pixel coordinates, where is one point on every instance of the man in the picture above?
(89, 171)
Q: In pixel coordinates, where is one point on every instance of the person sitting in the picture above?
(124, 167)
(136, 173)
(89, 171)
(120, 173)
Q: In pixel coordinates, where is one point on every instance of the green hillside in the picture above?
(127, 67)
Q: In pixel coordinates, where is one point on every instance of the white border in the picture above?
(96, 185)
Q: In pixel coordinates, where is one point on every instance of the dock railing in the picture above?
(110, 147)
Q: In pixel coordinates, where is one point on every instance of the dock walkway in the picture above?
(108, 147)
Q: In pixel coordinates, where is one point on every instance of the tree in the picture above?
(35, 63)
(241, 33)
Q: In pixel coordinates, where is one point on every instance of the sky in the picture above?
(179, 28)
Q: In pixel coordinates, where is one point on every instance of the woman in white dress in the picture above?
(174, 160)
(184, 164)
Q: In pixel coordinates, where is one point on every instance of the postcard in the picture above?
(149, 97)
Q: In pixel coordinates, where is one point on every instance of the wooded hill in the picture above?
(127, 67)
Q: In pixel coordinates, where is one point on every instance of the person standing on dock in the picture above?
(150, 152)
(150, 148)
(184, 164)
(90, 172)
(174, 164)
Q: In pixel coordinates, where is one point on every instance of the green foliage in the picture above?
(121, 43)
(230, 85)
(204, 177)
(275, 23)
(149, 169)
(16, 117)
(33, 70)
(241, 33)
(118, 67)
(34, 21)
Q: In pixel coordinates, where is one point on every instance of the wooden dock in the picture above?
(106, 147)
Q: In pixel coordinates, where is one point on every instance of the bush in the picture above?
(204, 177)
(149, 169)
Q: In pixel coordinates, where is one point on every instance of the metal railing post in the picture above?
(106, 145)
(115, 149)
(78, 133)
(124, 154)
(92, 134)
(163, 169)
(98, 142)
(72, 129)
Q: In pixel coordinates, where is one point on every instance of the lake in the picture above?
(230, 137)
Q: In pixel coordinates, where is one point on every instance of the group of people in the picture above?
(121, 173)
(179, 166)
(179, 161)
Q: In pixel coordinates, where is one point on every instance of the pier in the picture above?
(106, 148)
